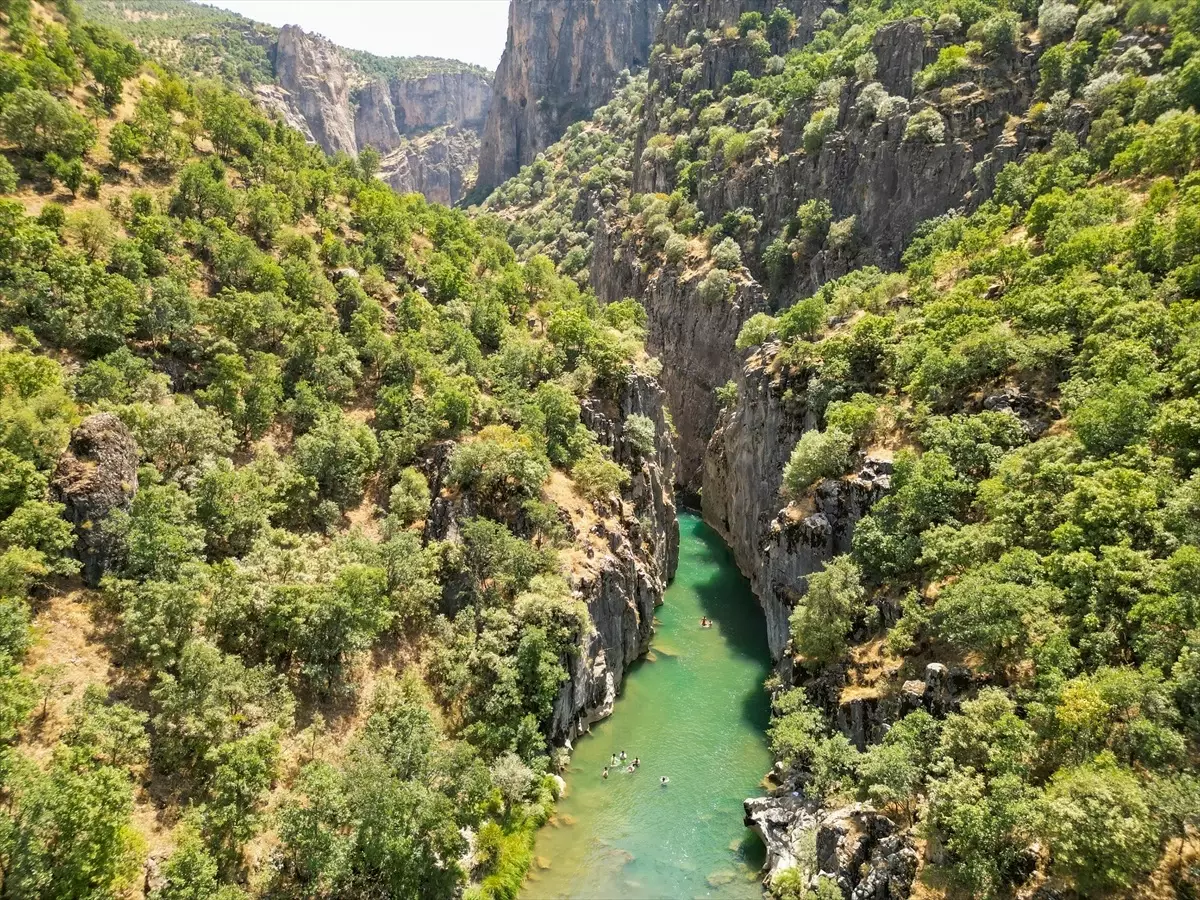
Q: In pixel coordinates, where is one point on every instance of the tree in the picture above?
(817, 455)
(826, 612)
(597, 476)
(190, 872)
(40, 124)
(338, 454)
(1099, 826)
(70, 834)
(409, 499)
(125, 143)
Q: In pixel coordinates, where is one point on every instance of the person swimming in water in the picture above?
(636, 762)
(605, 775)
(614, 760)
(705, 622)
(664, 781)
(629, 768)
(622, 756)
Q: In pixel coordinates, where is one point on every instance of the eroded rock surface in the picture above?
(96, 475)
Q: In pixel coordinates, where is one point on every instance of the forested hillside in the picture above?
(947, 256)
(299, 517)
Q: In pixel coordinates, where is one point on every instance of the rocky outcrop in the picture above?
(317, 81)
(560, 62)
(775, 545)
(440, 165)
(861, 850)
(96, 475)
(622, 580)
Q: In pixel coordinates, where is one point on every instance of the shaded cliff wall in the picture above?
(560, 62)
(777, 545)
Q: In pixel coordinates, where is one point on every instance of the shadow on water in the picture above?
(727, 600)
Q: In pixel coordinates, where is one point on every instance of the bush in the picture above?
(727, 254)
(641, 433)
(998, 34)
(927, 125)
(675, 248)
(819, 127)
(597, 476)
(824, 615)
(817, 455)
(1056, 21)
(756, 330)
(409, 498)
(715, 287)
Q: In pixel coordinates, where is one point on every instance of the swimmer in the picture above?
(605, 775)
(622, 756)
(636, 762)
(629, 768)
(664, 781)
(614, 760)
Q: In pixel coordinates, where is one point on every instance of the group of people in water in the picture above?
(705, 622)
(619, 759)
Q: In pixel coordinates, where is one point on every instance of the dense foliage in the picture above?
(313, 369)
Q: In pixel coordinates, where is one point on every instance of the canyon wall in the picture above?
(426, 127)
(560, 62)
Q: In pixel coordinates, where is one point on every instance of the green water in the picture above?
(693, 710)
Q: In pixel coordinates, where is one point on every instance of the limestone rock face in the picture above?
(425, 128)
(622, 559)
(561, 61)
(440, 165)
(96, 474)
(694, 338)
(624, 583)
(315, 77)
(460, 98)
(776, 546)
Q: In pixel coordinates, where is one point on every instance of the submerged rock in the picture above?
(96, 474)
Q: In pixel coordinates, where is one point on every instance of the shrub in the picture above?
(750, 21)
(819, 127)
(675, 248)
(409, 498)
(597, 476)
(927, 125)
(1056, 21)
(727, 254)
(756, 330)
(826, 612)
(817, 455)
(998, 34)
(641, 432)
(715, 286)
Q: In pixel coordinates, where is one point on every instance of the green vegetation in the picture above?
(1045, 545)
(309, 365)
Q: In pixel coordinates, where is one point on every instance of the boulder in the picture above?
(96, 474)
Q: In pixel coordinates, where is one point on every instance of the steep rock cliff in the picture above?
(318, 85)
(694, 334)
(624, 570)
(561, 61)
(776, 545)
(440, 164)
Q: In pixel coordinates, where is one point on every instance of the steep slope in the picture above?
(561, 61)
(325, 521)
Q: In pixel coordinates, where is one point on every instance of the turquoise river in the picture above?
(695, 711)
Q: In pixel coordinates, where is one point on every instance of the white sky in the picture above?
(471, 30)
